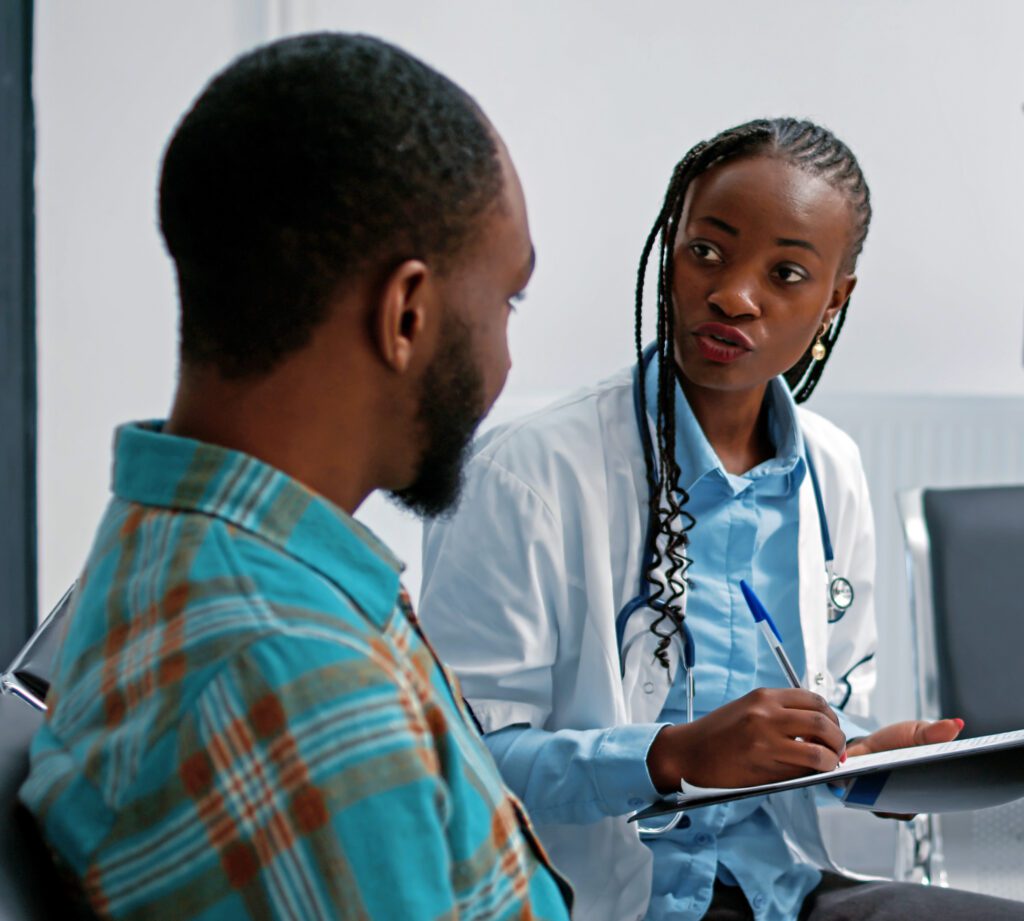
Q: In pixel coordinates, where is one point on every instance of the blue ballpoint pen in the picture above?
(770, 632)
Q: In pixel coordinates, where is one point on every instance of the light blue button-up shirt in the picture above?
(747, 528)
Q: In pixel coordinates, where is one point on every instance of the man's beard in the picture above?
(451, 407)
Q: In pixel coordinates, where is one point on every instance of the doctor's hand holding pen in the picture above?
(906, 734)
(767, 735)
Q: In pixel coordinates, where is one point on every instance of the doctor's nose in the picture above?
(738, 297)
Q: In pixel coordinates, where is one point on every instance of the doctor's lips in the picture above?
(722, 343)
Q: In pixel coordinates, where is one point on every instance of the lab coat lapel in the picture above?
(811, 570)
(645, 683)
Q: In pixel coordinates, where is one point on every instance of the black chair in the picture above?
(31, 889)
(965, 562)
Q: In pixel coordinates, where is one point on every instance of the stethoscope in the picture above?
(839, 591)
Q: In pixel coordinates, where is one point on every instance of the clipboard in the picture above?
(947, 777)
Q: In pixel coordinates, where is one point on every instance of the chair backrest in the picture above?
(966, 570)
(30, 887)
(29, 675)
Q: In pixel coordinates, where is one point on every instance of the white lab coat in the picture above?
(522, 587)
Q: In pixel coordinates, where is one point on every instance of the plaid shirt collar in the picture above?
(156, 469)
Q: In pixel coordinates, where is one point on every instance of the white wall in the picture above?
(596, 100)
(111, 79)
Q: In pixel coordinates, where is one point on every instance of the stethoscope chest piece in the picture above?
(840, 591)
(840, 597)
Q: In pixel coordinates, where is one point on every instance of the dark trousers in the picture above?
(838, 898)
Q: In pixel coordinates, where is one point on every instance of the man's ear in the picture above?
(405, 314)
(840, 295)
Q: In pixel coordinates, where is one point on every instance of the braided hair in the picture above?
(812, 149)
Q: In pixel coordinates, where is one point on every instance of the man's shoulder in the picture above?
(167, 600)
(202, 584)
(193, 579)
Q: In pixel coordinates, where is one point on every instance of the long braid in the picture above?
(813, 149)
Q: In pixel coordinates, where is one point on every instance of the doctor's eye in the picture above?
(705, 252)
(791, 274)
(516, 300)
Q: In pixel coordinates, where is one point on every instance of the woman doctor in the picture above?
(600, 543)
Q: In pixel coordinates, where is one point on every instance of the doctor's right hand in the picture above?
(769, 734)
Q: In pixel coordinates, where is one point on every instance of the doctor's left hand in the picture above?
(905, 735)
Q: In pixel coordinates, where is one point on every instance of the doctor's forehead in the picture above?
(770, 195)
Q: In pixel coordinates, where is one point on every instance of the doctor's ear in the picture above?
(840, 295)
(405, 315)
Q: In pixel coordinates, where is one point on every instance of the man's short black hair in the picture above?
(304, 162)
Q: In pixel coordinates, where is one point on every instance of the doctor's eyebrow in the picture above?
(720, 224)
(726, 227)
(803, 244)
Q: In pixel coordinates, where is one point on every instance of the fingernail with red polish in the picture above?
(959, 722)
(842, 757)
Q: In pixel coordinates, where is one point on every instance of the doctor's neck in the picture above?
(735, 423)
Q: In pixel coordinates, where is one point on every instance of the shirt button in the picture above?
(758, 902)
(648, 687)
(704, 839)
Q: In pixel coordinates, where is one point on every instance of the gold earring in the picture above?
(818, 350)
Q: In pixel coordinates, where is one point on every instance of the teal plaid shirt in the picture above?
(245, 720)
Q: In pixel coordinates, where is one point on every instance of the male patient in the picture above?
(245, 719)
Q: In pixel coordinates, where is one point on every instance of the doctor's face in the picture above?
(759, 266)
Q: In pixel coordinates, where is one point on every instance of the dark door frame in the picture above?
(17, 331)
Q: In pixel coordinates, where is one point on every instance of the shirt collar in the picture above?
(154, 468)
(697, 458)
